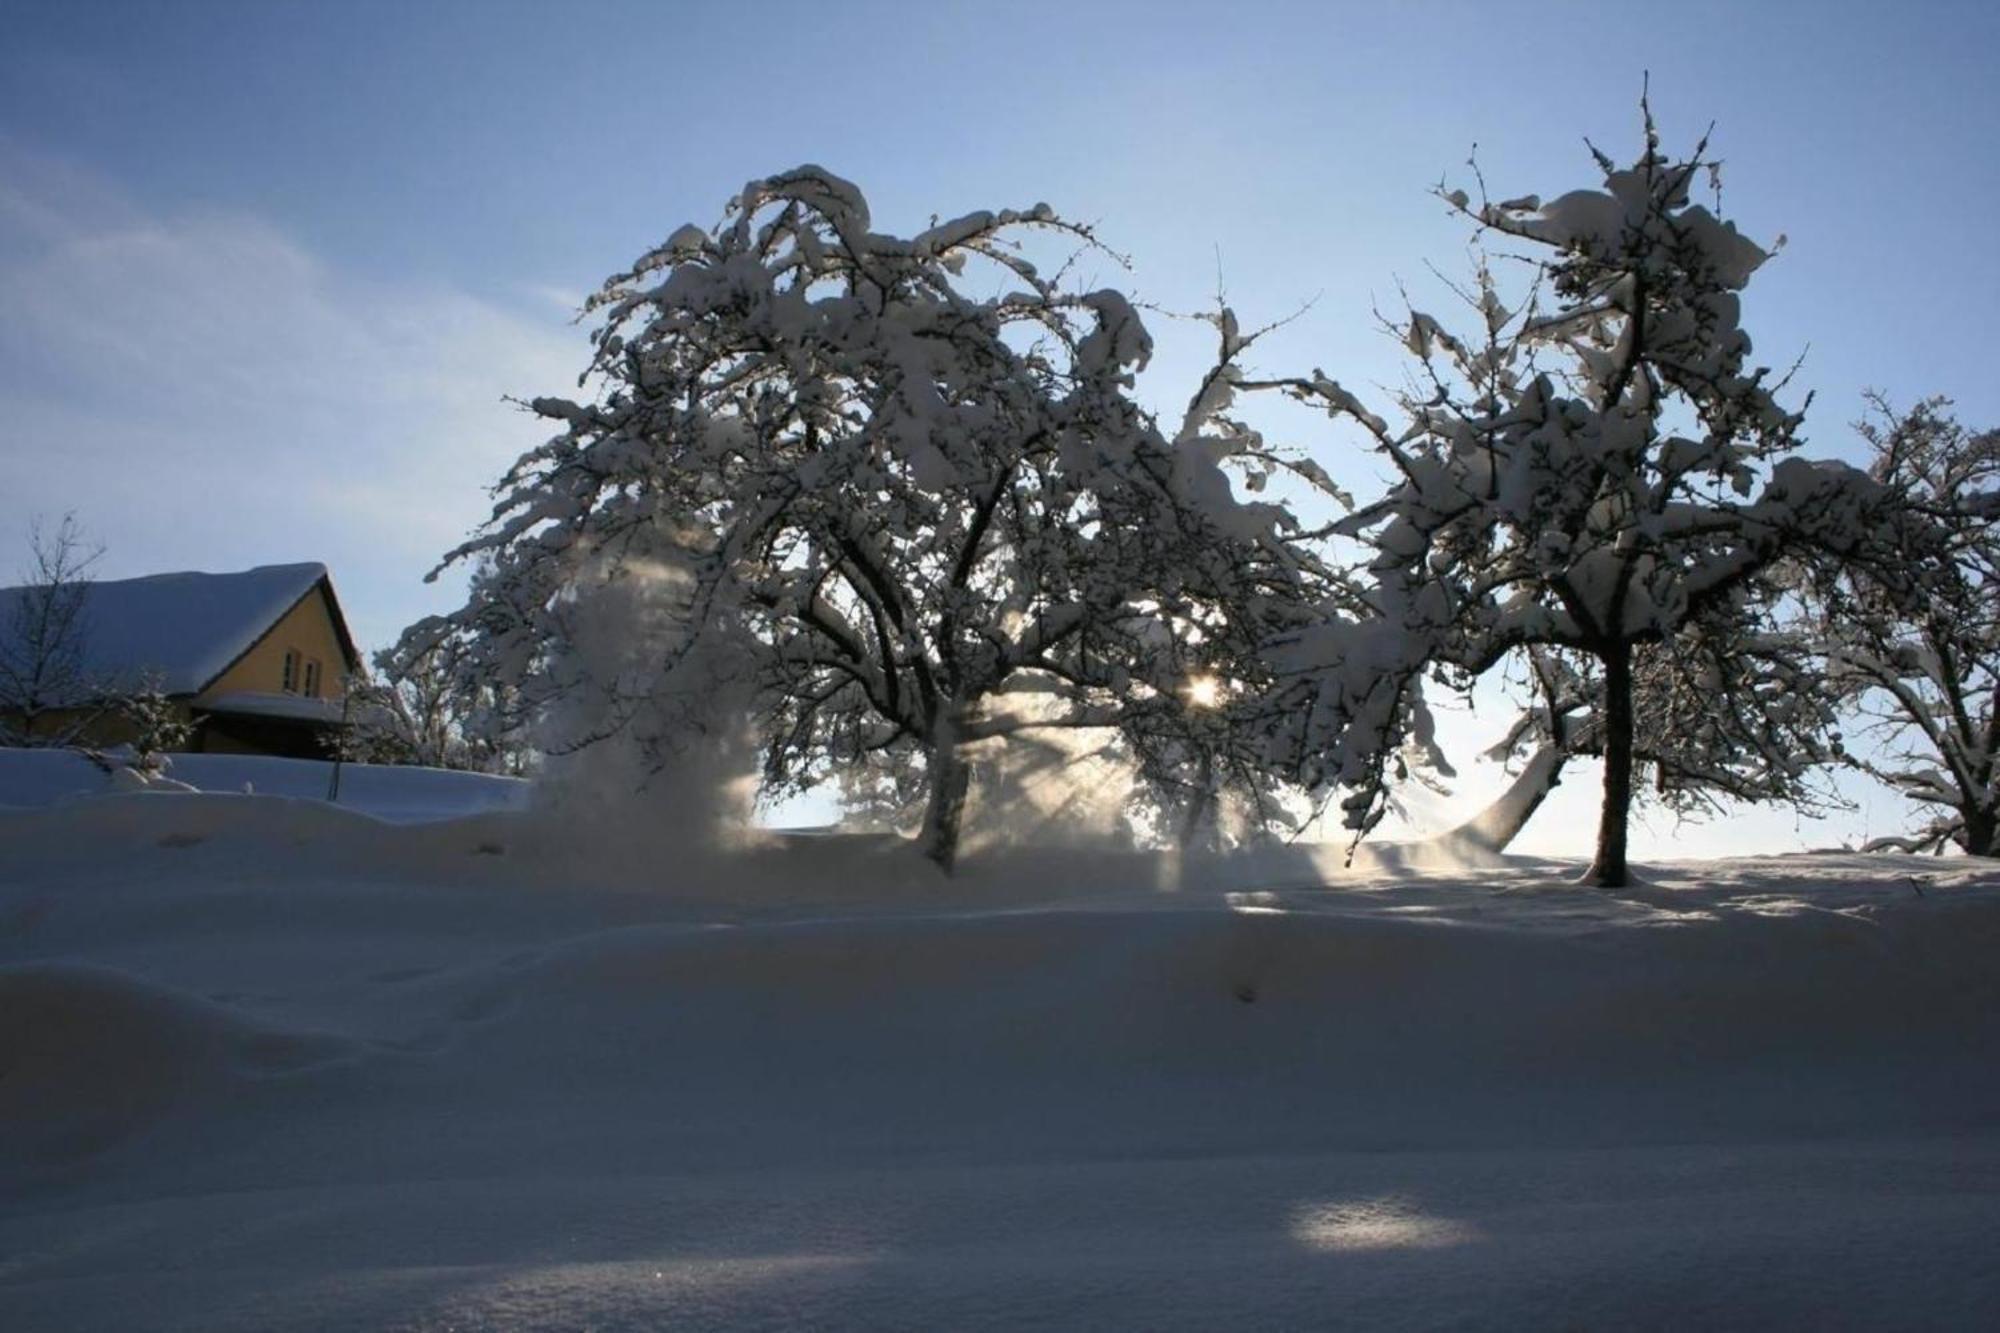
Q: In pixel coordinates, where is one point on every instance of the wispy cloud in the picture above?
(207, 393)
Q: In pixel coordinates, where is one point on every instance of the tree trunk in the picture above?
(1198, 830)
(1982, 833)
(945, 811)
(1608, 871)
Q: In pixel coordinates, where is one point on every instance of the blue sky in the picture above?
(268, 270)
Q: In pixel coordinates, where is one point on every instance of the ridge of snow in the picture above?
(274, 1066)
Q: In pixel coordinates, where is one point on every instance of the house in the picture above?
(257, 661)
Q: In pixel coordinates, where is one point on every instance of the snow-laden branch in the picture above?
(881, 498)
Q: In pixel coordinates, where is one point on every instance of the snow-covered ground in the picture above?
(400, 795)
(271, 1064)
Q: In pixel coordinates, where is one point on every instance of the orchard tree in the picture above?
(1737, 707)
(890, 486)
(1734, 706)
(1915, 646)
(1598, 475)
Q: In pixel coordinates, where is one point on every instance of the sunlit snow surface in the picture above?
(266, 1064)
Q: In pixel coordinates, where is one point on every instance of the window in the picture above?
(290, 682)
(312, 678)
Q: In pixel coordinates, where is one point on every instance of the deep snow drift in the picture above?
(267, 1064)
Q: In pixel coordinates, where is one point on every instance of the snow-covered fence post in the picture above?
(343, 738)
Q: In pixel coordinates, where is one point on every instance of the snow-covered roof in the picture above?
(261, 703)
(181, 630)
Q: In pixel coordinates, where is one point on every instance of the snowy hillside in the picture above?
(271, 1064)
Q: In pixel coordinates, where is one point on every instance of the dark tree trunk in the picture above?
(1982, 833)
(1608, 870)
(950, 778)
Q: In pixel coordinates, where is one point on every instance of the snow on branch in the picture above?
(874, 502)
(1595, 469)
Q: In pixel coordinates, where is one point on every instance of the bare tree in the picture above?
(1915, 646)
(424, 708)
(45, 687)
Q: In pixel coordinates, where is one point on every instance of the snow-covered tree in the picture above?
(424, 707)
(1736, 706)
(1916, 644)
(44, 639)
(901, 478)
(1599, 475)
(157, 726)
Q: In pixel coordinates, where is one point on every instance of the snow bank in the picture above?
(30, 778)
(90, 1056)
(268, 1064)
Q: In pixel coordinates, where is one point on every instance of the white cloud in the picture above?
(207, 393)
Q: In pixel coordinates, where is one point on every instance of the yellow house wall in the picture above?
(306, 628)
(99, 729)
